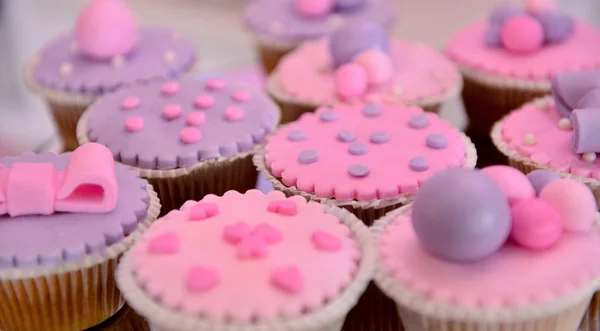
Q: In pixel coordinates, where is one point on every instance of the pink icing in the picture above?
(204, 101)
(574, 202)
(579, 52)
(233, 113)
(134, 123)
(387, 161)
(378, 65)
(130, 103)
(522, 34)
(170, 88)
(287, 275)
(351, 80)
(419, 72)
(190, 135)
(511, 277)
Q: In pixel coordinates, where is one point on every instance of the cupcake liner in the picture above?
(374, 312)
(125, 320)
(591, 319)
(367, 211)
(328, 318)
(417, 313)
(270, 52)
(71, 297)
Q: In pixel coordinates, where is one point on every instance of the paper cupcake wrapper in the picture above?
(591, 319)
(328, 318)
(125, 320)
(270, 52)
(367, 211)
(418, 313)
(71, 297)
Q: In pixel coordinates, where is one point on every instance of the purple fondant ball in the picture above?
(504, 12)
(351, 39)
(344, 5)
(461, 215)
(557, 26)
(540, 178)
(493, 36)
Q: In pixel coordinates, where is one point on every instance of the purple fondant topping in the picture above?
(590, 99)
(149, 150)
(297, 135)
(372, 110)
(379, 137)
(346, 136)
(418, 163)
(436, 141)
(92, 77)
(586, 136)
(328, 115)
(558, 26)
(351, 39)
(29, 241)
(540, 178)
(504, 12)
(346, 5)
(492, 36)
(358, 170)
(568, 88)
(418, 121)
(308, 156)
(358, 148)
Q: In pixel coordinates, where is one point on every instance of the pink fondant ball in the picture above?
(522, 34)
(351, 80)
(536, 224)
(314, 8)
(378, 65)
(512, 182)
(105, 29)
(574, 202)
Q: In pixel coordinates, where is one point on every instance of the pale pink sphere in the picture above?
(574, 201)
(522, 34)
(536, 224)
(314, 8)
(378, 65)
(512, 182)
(538, 6)
(105, 29)
(351, 80)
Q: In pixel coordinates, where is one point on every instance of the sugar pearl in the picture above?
(66, 69)
(118, 61)
(529, 140)
(169, 56)
(565, 124)
(589, 157)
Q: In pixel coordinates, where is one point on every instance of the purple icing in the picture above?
(328, 115)
(279, 20)
(568, 88)
(504, 12)
(493, 36)
(586, 136)
(540, 178)
(32, 240)
(308, 156)
(358, 170)
(419, 121)
(358, 148)
(436, 141)
(558, 26)
(418, 163)
(351, 39)
(158, 145)
(297, 135)
(92, 77)
(372, 110)
(344, 5)
(379, 137)
(346, 136)
(461, 215)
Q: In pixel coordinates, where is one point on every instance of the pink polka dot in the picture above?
(268, 233)
(287, 279)
(130, 103)
(195, 118)
(200, 279)
(252, 247)
(241, 96)
(233, 113)
(171, 111)
(190, 135)
(214, 84)
(283, 207)
(324, 241)
(167, 243)
(234, 233)
(170, 88)
(203, 210)
(134, 123)
(204, 101)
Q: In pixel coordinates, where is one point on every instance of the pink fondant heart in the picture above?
(252, 247)
(325, 242)
(288, 279)
(203, 210)
(234, 233)
(268, 233)
(200, 279)
(282, 207)
(167, 243)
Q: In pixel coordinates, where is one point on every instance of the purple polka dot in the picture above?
(358, 170)
(380, 137)
(418, 121)
(328, 116)
(371, 110)
(346, 136)
(436, 141)
(296, 135)
(418, 163)
(308, 156)
(358, 148)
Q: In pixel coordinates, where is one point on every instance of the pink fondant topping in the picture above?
(134, 123)
(536, 224)
(203, 211)
(351, 80)
(286, 272)
(233, 113)
(170, 88)
(87, 185)
(167, 243)
(215, 84)
(171, 111)
(190, 135)
(204, 101)
(522, 34)
(314, 8)
(573, 201)
(130, 103)
(283, 207)
(325, 241)
(195, 118)
(513, 183)
(241, 96)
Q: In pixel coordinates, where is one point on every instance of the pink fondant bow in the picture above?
(87, 185)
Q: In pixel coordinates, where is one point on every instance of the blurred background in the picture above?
(214, 25)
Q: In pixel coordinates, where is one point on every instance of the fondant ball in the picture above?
(349, 40)
(511, 181)
(492, 37)
(314, 8)
(342, 5)
(536, 224)
(351, 80)
(378, 65)
(574, 202)
(461, 215)
(540, 178)
(504, 12)
(522, 34)
(105, 29)
(557, 26)
(537, 6)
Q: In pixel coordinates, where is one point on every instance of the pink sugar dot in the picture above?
(536, 224)
(233, 113)
(200, 279)
(252, 247)
(324, 241)
(134, 123)
(282, 207)
(241, 96)
(167, 243)
(130, 103)
(171, 111)
(234, 233)
(169, 88)
(287, 279)
(203, 210)
(195, 118)
(190, 135)
(214, 84)
(268, 233)
(204, 101)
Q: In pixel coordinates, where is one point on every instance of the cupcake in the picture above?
(105, 51)
(510, 58)
(258, 266)
(369, 158)
(360, 62)
(61, 240)
(187, 138)
(279, 26)
(482, 250)
(557, 133)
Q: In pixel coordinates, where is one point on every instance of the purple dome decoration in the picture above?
(351, 39)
